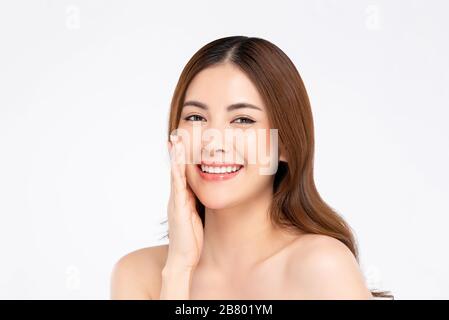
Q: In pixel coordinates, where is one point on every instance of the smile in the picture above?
(218, 172)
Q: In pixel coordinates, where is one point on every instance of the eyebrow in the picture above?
(234, 106)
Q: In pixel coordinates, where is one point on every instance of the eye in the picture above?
(244, 120)
(194, 117)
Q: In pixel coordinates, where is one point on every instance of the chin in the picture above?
(215, 201)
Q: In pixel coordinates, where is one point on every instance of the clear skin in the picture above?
(239, 254)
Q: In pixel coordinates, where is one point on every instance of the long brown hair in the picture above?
(296, 201)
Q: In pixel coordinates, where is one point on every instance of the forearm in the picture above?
(175, 283)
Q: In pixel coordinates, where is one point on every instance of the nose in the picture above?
(214, 147)
(214, 143)
(217, 142)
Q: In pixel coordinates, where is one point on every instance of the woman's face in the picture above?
(226, 131)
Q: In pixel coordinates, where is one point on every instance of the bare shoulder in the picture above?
(323, 267)
(137, 275)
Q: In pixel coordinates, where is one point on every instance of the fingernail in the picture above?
(173, 138)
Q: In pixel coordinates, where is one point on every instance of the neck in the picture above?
(241, 236)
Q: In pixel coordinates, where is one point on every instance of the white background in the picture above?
(85, 88)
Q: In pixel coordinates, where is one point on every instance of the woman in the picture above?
(236, 231)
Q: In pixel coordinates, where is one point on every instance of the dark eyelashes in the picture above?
(245, 120)
(193, 115)
(248, 120)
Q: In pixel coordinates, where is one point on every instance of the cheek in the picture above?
(258, 147)
(247, 148)
(186, 132)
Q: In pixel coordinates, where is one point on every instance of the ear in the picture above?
(282, 158)
(282, 154)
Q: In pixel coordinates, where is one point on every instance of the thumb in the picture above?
(169, 145)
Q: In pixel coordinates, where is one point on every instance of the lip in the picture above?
(217, 176)
(220, 164)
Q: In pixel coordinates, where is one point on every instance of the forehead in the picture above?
(222, 85)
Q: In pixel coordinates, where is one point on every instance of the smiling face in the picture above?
(224, 108)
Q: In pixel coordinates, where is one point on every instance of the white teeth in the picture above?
(228, 169)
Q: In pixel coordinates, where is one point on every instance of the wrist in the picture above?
(176, 270)
(176, 283)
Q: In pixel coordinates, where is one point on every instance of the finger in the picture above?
(178, 182)
(182, 160)
(173, 169)
(169, 144)
(177, 198)
(189, 190)
(171, 156)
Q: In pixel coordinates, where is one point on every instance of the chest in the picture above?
(266, 282)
